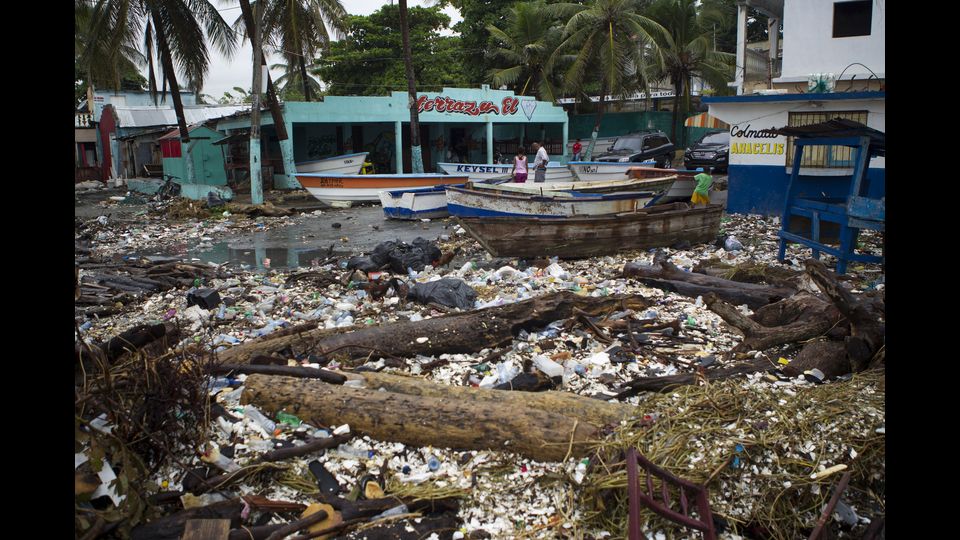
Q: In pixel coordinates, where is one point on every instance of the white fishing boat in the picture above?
(658, 184)
(344, 189)
(468, 202)
(479, 172)
(595, 171)
(413, 204)
(345, 164)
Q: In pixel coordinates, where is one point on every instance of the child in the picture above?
(701, 194)
(577, 147)
(520, 166)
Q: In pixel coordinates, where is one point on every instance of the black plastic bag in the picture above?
(364, 263)
(448, 292)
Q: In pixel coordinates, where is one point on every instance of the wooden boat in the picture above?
(682, 188)
(344, 189)
(345, 164)
(606, 186)
(479, 172)
(467, 202)
(430, 202)
(589, 236)
(594, 171)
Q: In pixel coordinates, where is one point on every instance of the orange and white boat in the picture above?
(345, 189)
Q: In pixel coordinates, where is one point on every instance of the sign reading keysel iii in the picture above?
(471, 108)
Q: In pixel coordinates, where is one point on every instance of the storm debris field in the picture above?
(424, 389)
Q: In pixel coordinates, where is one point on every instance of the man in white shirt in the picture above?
(540, 163)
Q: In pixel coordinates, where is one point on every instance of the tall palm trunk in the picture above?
(171, 76)
(303, 79)
(416, 158)
(286, 145)
(596, 125)
(676, 109)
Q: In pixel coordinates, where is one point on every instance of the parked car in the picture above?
(711, 150)
(642, 146)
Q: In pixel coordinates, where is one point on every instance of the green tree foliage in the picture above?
(687, 51)
(610, 42)
(291, 83)
(93, 62)
(368, 61)
(474, 30)
(524, 51)
(297, 29)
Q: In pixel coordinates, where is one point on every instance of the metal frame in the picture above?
(853, 213)
(637, 497)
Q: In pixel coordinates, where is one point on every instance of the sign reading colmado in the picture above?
(751, 146)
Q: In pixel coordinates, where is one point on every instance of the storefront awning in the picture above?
(704, 120)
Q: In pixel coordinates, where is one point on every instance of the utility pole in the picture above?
(256, 181)
(416, 157)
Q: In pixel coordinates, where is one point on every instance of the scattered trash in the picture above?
(205, 298)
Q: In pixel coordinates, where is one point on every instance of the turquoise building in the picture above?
(209, 172)
(470, 125)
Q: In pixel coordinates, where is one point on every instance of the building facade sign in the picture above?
(752, 146)
(508, 106)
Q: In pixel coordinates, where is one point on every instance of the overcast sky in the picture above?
(224, 74)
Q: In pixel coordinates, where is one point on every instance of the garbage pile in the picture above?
(755, 442)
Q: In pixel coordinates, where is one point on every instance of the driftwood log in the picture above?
(453, 333)
(586, 410)
(798, 318)
(663, 274)
(422, 421)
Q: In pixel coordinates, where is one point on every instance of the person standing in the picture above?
(519, 172)
(540, 163)
(701, 194)
(577, 148)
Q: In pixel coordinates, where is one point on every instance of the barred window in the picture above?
(823, 156)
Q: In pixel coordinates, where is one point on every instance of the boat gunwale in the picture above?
(331, 158)
(647, 212)
(615, 196)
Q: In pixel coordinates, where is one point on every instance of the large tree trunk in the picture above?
(454, 333)
(586, 410)
(416, 158)
(663, 274)
(171, 75)
(425, 421)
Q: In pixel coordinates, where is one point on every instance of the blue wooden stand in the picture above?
(853, 213)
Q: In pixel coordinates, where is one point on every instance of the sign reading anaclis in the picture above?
(750, 146)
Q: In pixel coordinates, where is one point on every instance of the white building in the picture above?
(832, 66)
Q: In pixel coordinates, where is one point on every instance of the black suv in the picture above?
(711, 150)
(643, 146)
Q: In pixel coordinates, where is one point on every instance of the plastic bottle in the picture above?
(253, 414)
(395, 511)
(214, 457)
(433, 463)
(547, 366)
(86, 326)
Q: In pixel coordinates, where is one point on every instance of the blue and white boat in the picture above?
(345, 164)
(598, 171)
(479, 172)
(422, 203)
(467, 202)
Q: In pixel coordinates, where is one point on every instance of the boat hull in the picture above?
(463, 202)
(426, 203)
(479, 172)
(345, 164)
(579, 237)
(609, 186)
(338, 189)
(600, 171)
(680, 191)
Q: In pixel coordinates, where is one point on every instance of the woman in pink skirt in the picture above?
(520, 166)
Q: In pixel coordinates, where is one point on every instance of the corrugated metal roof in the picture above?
(166, 116)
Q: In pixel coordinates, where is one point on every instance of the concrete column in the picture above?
(289, 166)
(773, 30)
(398, 133)
(256, 183)
(566, 137)
(489, 141)
(741, 45)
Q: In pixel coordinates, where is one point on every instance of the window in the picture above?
(823, 156)
(852, 18)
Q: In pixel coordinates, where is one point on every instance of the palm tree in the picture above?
(687, 49)
(526, 49)
(174, 30)
(98, 65)
(609, 41)
(291, 82)
(297, 29)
